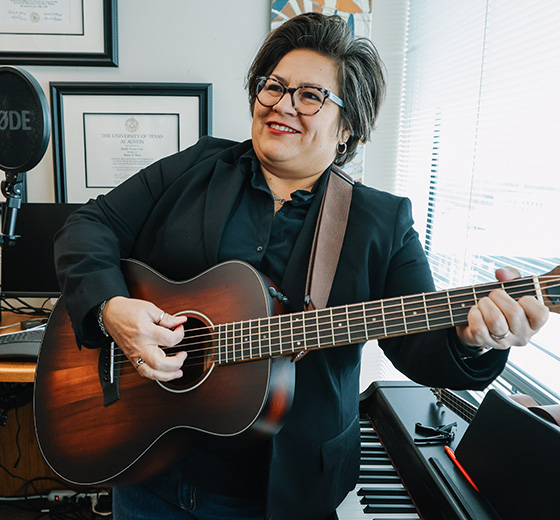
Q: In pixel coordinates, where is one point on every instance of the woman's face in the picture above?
(291, 145)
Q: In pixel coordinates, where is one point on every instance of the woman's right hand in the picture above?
(140, 329)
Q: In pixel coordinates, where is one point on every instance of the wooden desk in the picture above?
(15, 371)
(20, 429)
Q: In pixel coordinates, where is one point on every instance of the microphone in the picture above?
(25, 128)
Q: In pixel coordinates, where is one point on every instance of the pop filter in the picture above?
(25, 128)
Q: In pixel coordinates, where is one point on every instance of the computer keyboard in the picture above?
(24, 344)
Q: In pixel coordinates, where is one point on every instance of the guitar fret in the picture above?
(250, 339)
(348, 324)
(292, 333)
(245, 341)
(235, 343)
(269, 337)
(340, 330)
(240, 342)
(260, 339)
(325, 329)
(318, 328)
(224, 342)
(440, 314)
(375, 327)
(450, 309)
(332, 327)
(383, 318)
(219, 330)
(461, 302)
(309, 327)
(404, 316)
(415, 315)
(298, 339)
(356, 331)
(276, 336)
(393, 317)
(365, 319)
(280, 334)
(228, 351)
(426, 311)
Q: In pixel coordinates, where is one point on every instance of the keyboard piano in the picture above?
(511, 452)
(414, 480)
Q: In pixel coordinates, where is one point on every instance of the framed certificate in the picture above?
(105, 132)
(58, 32)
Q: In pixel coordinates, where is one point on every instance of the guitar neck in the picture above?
(347, 324)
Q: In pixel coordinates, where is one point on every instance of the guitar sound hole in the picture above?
(197, 342)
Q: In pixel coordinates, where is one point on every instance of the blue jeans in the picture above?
(167, 498)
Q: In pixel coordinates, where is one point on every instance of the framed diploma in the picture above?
(105, 132)
(58, 32)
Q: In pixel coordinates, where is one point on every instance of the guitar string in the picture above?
(345, 313)
(208, 335)
(456, 403)
(410, 314)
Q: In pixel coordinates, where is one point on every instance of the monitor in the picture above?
(27, 268)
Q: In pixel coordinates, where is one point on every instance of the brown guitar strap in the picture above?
(327, 242)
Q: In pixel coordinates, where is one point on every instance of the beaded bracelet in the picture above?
(100, 318)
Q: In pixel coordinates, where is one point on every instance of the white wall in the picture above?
(174, 41)
(215, 42)
(388, 35)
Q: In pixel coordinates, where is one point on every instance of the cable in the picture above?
(24, 307)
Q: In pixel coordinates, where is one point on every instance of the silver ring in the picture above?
(160, 318)
(139, 362)
(498, 338)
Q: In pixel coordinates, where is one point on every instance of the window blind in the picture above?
(478, 149)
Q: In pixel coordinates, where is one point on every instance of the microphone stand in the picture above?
(13, 188)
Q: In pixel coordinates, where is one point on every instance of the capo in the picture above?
(444, 433)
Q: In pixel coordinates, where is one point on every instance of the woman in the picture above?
(315, 93)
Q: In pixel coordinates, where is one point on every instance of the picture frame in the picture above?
(105, 132)
(59, 32)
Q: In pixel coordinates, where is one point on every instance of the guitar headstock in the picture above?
(550, 286)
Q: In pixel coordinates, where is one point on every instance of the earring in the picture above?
(341, 148)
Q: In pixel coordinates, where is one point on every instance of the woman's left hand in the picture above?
(498, 321)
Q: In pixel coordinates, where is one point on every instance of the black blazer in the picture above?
(171, 216)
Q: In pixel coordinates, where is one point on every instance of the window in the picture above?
(479, 150)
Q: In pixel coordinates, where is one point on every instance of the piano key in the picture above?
(380, 494)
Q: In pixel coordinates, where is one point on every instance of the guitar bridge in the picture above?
(109, 373)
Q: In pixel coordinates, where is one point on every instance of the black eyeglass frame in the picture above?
(261, 81)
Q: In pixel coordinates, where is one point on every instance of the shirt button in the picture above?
(259, 248)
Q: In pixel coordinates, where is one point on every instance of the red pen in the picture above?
(451, 454)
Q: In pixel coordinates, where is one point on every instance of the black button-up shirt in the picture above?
(258, 235)
(255, 233)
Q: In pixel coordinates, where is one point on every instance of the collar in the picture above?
(298, 197)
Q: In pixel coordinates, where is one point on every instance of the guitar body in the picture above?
(87, 443)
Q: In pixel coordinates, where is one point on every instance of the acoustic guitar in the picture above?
(97, 421)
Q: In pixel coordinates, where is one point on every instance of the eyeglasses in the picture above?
(306, 100)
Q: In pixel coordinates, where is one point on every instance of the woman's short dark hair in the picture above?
(360, 70)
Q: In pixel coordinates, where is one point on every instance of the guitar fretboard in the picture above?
(343, 325)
